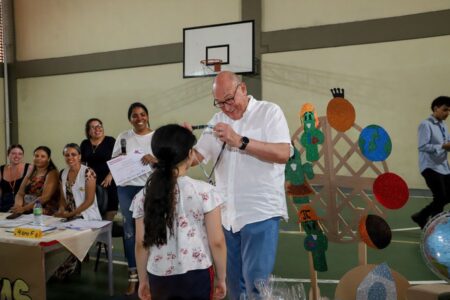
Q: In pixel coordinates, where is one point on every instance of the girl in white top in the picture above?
(77, 187)
(178, 225)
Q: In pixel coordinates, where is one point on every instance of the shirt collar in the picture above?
(250, 105)
(434, 120)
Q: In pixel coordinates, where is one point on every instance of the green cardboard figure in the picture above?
(311, 137)
(296, 173)
(315, 241)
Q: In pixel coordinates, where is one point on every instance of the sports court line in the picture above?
(406, 229)
(405, 242)
(392, 241)
(333, 281)
(115, 262)
(395, 230)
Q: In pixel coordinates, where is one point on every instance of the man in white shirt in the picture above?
(251, 144)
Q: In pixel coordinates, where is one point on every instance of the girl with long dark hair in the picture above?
(178, 225)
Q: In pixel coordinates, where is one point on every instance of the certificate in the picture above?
(126, 167)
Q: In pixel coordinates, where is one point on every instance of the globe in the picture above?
(375, 143)
(435, 245)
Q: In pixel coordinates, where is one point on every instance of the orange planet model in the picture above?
(340, 112)
(374, 231)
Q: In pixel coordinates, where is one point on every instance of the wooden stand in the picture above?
(343, 183)
(362, 253)
(314, 292)
(343, 175)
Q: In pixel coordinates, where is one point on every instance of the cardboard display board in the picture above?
(348, 285)
(342, 184)
(22, 272)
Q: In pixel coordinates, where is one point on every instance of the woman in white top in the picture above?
(77, 199)
(77, 187)
(178, 226)
(137, 141)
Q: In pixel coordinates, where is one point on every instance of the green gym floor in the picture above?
(402, 255)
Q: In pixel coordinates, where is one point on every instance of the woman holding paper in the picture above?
(137, 141)
(77, 187)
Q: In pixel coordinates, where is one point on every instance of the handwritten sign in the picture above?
(30, 233)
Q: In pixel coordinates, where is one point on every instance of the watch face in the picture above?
(244, 141)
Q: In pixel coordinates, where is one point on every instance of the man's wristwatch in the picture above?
(244, 143)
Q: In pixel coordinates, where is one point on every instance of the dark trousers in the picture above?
(193, 285)
(440, 187)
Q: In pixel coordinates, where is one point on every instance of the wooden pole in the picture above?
(314, 293)
(362, 253)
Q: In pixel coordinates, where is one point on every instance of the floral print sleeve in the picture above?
(90, 175)
(137, 205)
(210, 198)
(187, 249)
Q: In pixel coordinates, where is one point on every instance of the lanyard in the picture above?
(444, 137)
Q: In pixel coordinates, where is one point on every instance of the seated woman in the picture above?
(40, 183)
(11, 176)
(77, 199)
(77, 187)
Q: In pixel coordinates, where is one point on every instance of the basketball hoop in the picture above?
(217, 63)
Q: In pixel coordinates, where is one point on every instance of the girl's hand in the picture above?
(220, 290)
(144, 291)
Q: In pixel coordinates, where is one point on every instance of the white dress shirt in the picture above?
(253, 189)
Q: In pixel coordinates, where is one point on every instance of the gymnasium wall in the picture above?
(53, 109)
(2, 122)
(390, 83)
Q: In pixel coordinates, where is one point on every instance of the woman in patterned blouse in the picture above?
(41, 183)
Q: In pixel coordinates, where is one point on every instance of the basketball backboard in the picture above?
(207, 50)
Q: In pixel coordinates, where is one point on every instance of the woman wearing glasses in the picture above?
(96, 150)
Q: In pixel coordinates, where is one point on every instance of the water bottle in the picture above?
(37, 213)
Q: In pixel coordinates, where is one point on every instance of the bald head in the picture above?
(225, 79)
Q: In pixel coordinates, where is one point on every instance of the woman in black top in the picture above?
(96, 150)
(11, 176)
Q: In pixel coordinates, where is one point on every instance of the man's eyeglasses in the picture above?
(229, 101)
